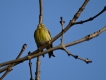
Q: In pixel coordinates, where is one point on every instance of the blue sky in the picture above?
(18, 21)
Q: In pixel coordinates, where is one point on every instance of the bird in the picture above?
(41, 36)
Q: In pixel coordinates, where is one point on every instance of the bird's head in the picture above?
(40, 25)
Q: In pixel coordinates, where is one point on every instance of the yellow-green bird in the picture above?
(42, 35)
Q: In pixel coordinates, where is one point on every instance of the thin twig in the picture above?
(86, 38)
(62, 43)
(77, 57)
(9, 68)
(41, 11)
(62, 25)
(37, 69)
(30, 67)
(92, 18)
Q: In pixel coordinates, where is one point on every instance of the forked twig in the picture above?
(9, 68)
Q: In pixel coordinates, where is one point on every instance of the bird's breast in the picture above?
(42, 36)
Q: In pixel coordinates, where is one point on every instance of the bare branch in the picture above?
(30, 67)
(75, 56)
(41, 11)
(86, 38)
(64, 48)
(62, 25)
(9, 68)
(37, 73)
(92, 18)
(72, 21)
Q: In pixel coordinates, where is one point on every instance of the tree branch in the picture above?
(30, 67)
(37, 73)
(86, 38)
(92, 18)
(62, 25)
(36, 54)
(9, 68)
(41, 12)
(71, 21)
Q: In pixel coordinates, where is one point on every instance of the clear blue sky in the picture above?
(18, 21)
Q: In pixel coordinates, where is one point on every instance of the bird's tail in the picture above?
(51, 54)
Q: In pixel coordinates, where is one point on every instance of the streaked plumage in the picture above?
(42, 35)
